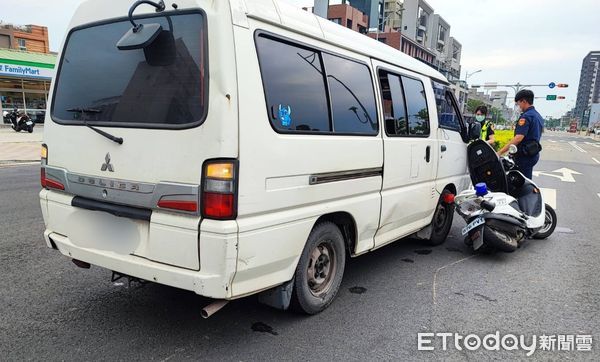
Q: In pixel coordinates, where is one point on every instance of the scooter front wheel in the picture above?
(549, 224)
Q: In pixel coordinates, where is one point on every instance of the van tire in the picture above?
(312, 294)
(441, 222)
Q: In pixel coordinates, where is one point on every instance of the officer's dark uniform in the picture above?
(530, 125)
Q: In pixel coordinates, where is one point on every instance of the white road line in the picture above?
(549, 196)
(553, 141)
(572, 143)
(598, 195)
(594, 158)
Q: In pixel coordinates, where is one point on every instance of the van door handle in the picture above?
(444, 148)
(427, 153)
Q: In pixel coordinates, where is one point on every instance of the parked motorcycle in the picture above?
(20, 121)
(505, 208)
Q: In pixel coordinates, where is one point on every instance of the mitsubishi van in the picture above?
(238, 147)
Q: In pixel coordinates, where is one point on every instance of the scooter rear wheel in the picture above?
(549, 224)
(499, 240)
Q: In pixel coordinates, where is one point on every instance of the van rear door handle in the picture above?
(444, 148)
(427, 153)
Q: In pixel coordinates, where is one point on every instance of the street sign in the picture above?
(551, 85)
(490, 85)
(562, 85)
(551, 97)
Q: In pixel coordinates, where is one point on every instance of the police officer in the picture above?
(528, 132)
(487, 128)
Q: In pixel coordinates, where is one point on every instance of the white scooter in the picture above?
(505, 208)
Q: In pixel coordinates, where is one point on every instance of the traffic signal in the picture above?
(561, 97)
(551, 97)
(562, 85)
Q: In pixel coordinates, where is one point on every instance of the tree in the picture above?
(472, 105)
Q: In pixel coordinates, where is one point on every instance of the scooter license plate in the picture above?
(472, 225)
(29, 123)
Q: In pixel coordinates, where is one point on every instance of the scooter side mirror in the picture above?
(512, 149)
(474, 131)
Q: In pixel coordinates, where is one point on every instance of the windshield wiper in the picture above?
(84, 111)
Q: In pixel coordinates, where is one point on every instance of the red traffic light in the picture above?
(561, 97)
(562, 85)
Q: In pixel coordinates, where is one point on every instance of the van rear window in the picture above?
(162, 86)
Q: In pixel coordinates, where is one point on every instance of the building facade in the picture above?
(588, 92)
(26, 69)
(410, 26)
(32, 38)
(346, 15)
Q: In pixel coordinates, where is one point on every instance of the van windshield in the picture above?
(162, 86)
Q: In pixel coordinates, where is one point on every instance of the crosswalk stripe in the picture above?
(549, 196)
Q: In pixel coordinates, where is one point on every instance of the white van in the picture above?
(242, 146)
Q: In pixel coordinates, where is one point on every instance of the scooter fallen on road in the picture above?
(505, 208)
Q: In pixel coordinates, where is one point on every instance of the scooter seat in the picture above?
(530, 199)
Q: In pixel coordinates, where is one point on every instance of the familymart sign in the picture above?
(25, 71)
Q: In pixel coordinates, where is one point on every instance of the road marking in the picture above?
(595, 144)
(572, 143)
(567, 174)
(553, 141)
(598, 195)
(549, 196)
(594, 158)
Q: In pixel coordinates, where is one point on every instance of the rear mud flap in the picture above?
(278, 297)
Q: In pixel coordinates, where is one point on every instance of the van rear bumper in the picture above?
(208, 285)
(218, 252)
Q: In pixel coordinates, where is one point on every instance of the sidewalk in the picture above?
(18, 147)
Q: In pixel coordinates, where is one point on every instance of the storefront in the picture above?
(25, 81)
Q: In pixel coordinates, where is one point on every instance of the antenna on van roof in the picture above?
(141, 35)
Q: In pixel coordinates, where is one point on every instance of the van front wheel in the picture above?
(442, 221)
(320, 269)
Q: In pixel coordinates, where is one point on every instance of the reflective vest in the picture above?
(484, 130)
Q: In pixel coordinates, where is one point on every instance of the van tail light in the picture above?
(219, 190)
(44, 181)
(49, 183)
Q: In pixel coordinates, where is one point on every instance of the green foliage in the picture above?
(472, 105)
(502, 137)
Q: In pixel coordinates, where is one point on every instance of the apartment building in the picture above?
(588, 92)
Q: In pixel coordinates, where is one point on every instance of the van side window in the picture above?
(448, 117)
(394, 110)
(352, 96)
(416, 105)
(294, 86)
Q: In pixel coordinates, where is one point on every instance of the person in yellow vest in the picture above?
(487, 128)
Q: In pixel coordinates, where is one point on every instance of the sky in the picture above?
(526, 41)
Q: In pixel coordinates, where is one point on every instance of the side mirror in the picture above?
(474, 131)
(141, 35)
(512, 149)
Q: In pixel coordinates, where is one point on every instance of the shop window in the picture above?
(22, 44)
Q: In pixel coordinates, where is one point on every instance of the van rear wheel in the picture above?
(320, 269)
(442, 221)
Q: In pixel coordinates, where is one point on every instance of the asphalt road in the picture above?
(52, 310)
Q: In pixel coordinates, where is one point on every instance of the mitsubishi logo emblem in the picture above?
(106, 165)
